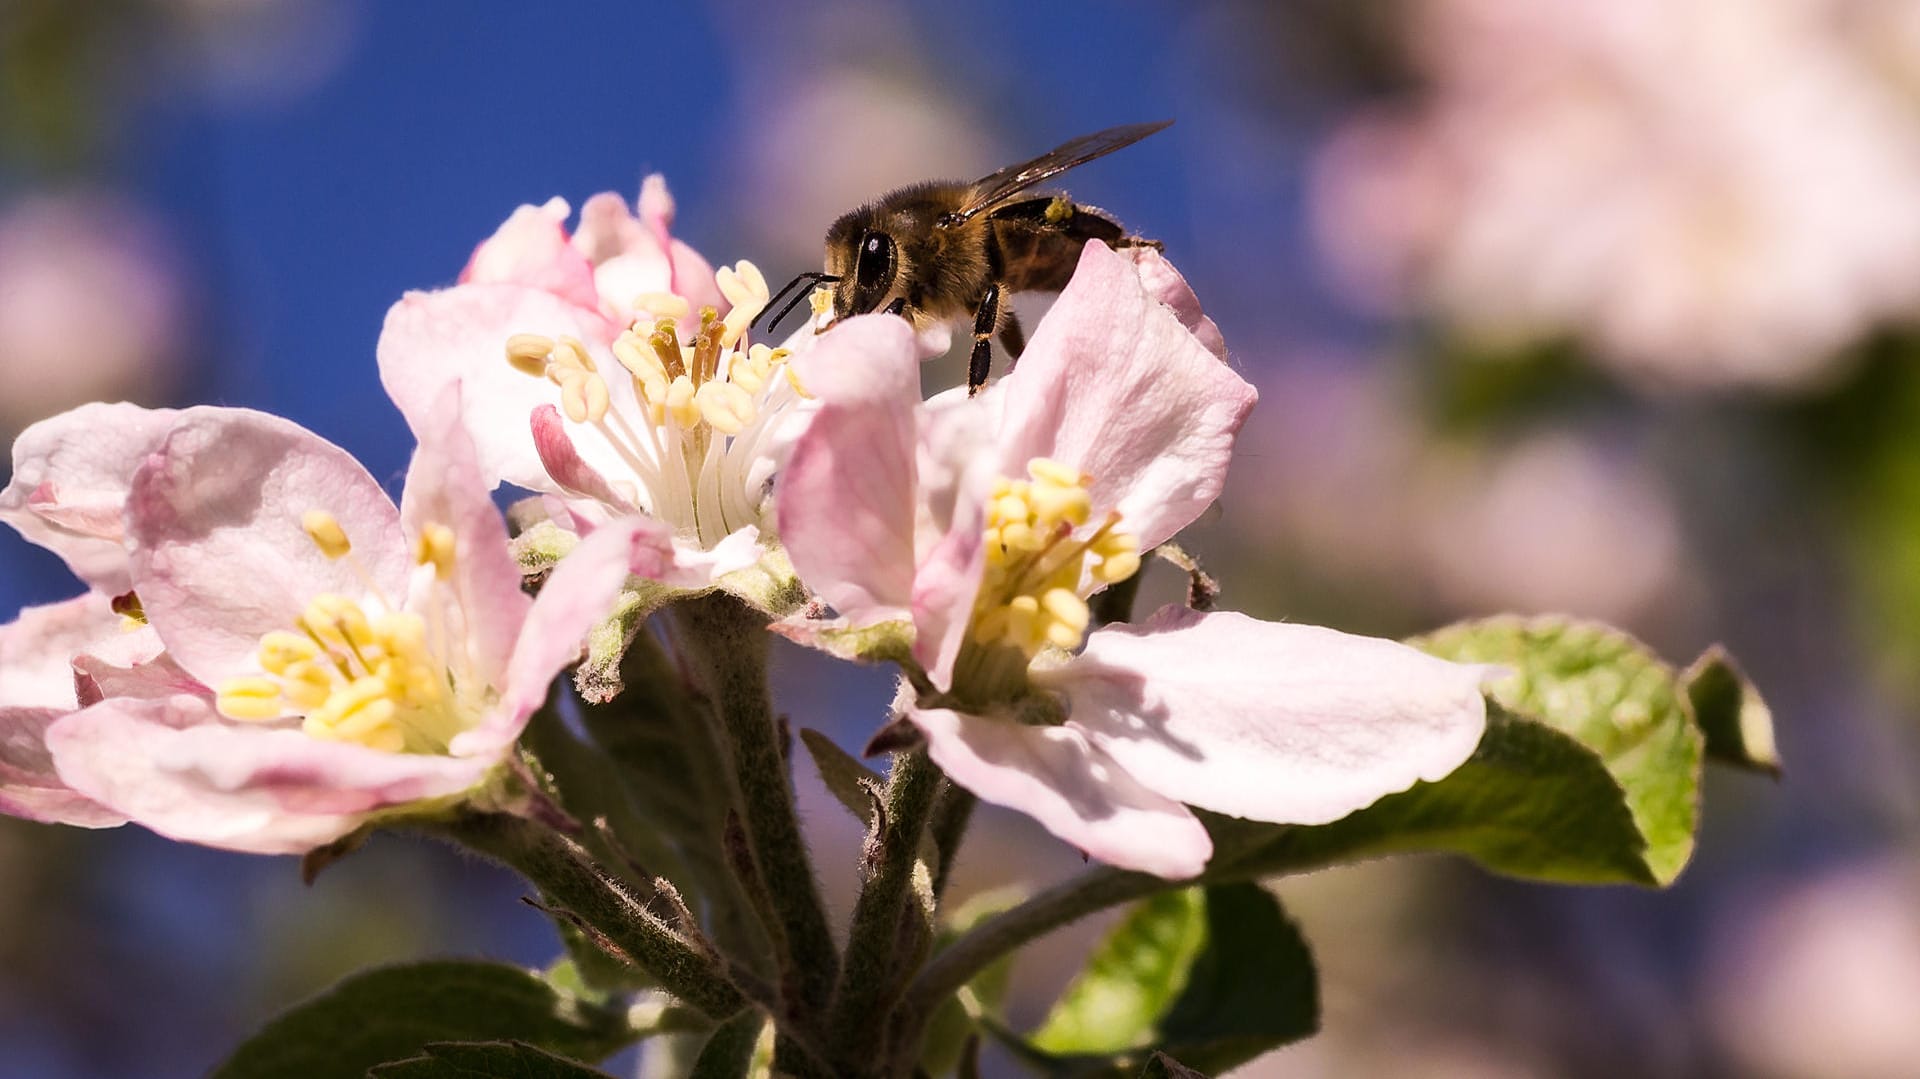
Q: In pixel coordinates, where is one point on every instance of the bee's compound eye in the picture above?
(874, 270)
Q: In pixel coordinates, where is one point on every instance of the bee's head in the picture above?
(865, 258)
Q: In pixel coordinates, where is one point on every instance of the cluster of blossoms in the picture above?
(272, 655)
(1730, 188)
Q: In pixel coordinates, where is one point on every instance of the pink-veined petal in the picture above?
(1055, 776)
(846, 500)
(1164, 283)
(30, 787)
(1268, 720)
(433, 339)
(1114, 385)
(568, 470)
(531, 249)
(132, 666)
(69, 485)
(221, 555)
(445, 487)
(578, 595)
(174, 766)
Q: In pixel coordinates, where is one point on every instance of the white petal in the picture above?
(1270, 721)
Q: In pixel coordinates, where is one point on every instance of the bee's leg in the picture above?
(898, 306)
(1012, 337)
(985, 318)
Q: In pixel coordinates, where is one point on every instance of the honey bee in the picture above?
(945, 250)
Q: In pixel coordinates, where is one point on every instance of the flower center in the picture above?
(360, 670)
(1030, 596)
(706, 406)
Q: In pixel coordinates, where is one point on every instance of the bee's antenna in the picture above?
(815, 277)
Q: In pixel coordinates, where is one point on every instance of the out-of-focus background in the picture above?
(1597, 306)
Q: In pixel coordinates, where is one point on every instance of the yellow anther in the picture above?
(1019, 536)
(252, 699)
(571, 352)
(743, 372)
(1117, 567)
(528, 352)
(436, 547)
(821, 301)
(1052, 504)
(324, 530)
(280, 650)
(793, 379)
(725, 406)
(679, 403)
(348, 701)
(662, 305)
(1048, 470)
(307, 685)
(584, 397)
(1011, 507)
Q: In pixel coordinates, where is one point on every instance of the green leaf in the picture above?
(1531, 802)
(485, 1060)
(1615, 697)
(728, 1053)
(392, 1013)
(1252, 988)
(1215, 976)
(1737, 724)
(1130, 980)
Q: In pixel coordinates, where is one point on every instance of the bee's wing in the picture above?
(991, 191)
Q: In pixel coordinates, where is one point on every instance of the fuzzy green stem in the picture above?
(570, 879)
(951, 814)
(725, 642)
(869, 975)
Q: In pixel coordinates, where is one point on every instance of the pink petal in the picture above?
(1165, 284)
(133, 666)
(609, 230)
(531, 249)
(566, 467)
(1267, 720)
(1114, 385)
(69, 486)
(1077, 792)
(30, 787)
(220, 554)
(846, 498)
(433, 339)
(692, 275)
(445, 487)
(174, 766)
(958, 466)
(37, 649)
(578, 595)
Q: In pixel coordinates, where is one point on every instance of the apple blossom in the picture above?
(986, 523)
(645, 398)
(364, 658)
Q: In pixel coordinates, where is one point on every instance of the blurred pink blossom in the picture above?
(1820, 983)
(91, 305)
(1704, 192)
